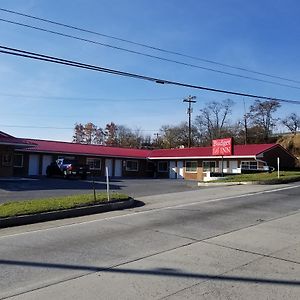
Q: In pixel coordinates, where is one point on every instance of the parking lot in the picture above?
(30, 188)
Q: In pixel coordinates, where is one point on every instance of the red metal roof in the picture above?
(84, 149)
(238, 150)
(97, 150)
(6, 139)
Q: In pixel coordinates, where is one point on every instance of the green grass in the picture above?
(285, 176)
(27, 207)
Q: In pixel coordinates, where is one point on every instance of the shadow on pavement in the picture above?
(152, 272)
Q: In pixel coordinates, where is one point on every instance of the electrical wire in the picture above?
(147, 46)
(42, 57)
(94, 99)
(148, 55)
(54, 127)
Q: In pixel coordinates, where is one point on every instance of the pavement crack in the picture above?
(271, 255)
(207, 280)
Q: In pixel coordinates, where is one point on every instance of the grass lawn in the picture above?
(27, 207)
(285, 176)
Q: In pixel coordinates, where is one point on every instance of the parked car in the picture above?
(67, 168)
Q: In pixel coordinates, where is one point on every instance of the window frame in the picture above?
(188, 169)
(22, 160)
(211, 169)
(163, 170)
(131, 169)
(248, 162)
(7, 159)
(92, 159)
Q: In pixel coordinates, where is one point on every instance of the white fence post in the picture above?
(107, 183)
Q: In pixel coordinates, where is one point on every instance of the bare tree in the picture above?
(292, 122)
(213, 120)
(99, 136)
(176, 136)
(261, 115)
(79, 135)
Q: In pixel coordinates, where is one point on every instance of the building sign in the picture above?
(222, 147)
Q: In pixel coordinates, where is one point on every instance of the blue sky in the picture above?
(257, 35)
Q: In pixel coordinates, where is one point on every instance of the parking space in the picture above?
(31, 188)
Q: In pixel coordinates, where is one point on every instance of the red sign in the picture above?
(222, 147)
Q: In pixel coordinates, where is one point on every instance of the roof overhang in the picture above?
(16, 144)
(81, 154)
(202, 157)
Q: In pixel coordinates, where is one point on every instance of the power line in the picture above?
(94, 99)
(41, 57)
(54, 127)
(148, 46)
(148, 55)
(37, 127)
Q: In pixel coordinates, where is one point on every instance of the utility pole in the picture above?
(246, 115)
(157, 135)
(190, 100)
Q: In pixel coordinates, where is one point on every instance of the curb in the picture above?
(63, 214)
(262, 182)
(225, 183)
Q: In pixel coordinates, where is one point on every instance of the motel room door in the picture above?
(118, 168)
(34, 165)
(172, 170)
(180, 169)
(109, 164)
(47, 160)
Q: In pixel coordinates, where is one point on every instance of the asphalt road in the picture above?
(226, 242)
(26, 188)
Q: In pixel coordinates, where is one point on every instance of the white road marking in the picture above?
(154, 210)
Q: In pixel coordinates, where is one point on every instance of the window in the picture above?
(6, 159)
(209, 166)
(18, 160)
(191, 166)
(163, 166)
(132, 165)
(249, 165)
(94, 163)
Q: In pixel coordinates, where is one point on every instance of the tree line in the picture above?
(213, 122)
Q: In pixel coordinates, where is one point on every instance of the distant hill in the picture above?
(291, 143)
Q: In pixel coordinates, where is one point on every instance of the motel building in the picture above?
(30, 157)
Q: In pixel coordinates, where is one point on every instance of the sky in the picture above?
(44, 100)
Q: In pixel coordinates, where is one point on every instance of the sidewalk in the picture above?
(258, 262)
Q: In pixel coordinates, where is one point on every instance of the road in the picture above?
(219, 243)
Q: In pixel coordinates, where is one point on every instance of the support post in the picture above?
(107, 184)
